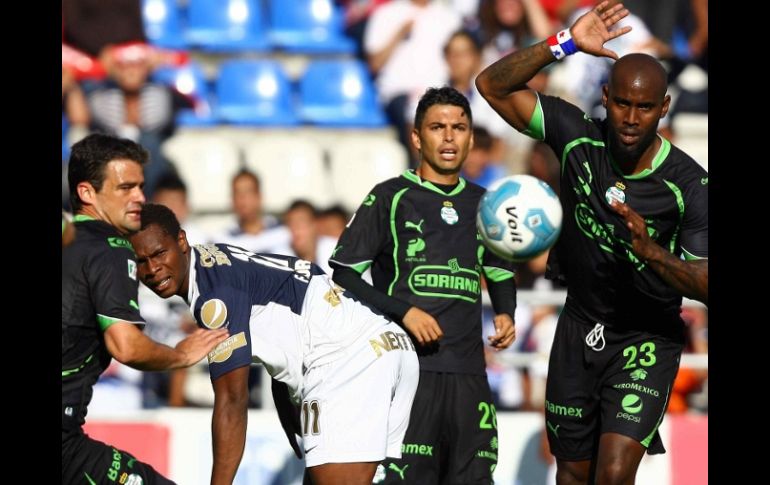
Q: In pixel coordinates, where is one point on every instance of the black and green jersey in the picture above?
(423, 248)
(98, 288)
(606, 282)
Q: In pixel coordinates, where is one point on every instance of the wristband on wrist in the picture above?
(562, 44)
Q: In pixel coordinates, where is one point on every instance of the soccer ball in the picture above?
(519, 217)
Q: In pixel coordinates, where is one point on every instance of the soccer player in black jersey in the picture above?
(634, 241)
(100, 315)
(417, 233)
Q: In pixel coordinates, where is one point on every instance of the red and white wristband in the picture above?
(562, 44)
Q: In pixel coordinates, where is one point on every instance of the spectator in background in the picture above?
(403, 43)
(90, 25)
(254, 230)
(332, 221)
(171, 191)
(128, 104)
(480, 168)
(357, 13)
(509, 25)
(302, 221)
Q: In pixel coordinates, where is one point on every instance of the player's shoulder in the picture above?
(681, 169)
(98, 240)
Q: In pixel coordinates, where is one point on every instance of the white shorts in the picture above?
(356, 408)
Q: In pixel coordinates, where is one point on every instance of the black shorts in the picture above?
(602, 380)
(452, 434)
(86, 461)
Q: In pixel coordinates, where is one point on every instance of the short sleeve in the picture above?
(232, 308)
(695, 227)
(366, 234)
(114, 287)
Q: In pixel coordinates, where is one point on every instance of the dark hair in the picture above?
(476, 44)
(482, 139)
(161, 216)
(302, 204)
(170, 181)
(244, 172)
(90, 155)
(335, 210)
(444, 95)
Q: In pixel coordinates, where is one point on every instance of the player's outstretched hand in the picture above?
(592, 30)
(422, 326)
(200, 343)
(505, 332)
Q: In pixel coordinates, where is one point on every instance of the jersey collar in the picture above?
(412, 176)
(663, 150)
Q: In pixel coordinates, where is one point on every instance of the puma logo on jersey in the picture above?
(412, 225)
(398, 470)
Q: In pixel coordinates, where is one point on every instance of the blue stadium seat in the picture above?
(308, 26)
(339, 93)
(190, 81)
(254, 92)
(226, 25)
(162, 23)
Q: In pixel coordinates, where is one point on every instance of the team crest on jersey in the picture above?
(616, 193)
(131, 269)
(214, 313)
(449, 214)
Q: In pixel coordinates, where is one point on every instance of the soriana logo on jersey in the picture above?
(213, 313)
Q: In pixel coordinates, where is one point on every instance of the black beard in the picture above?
(629, 156)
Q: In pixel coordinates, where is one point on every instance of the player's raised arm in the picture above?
(504, 83)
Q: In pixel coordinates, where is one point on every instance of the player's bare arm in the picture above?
(128, 345)
(690, 278)
(504, 83)
(231, 399)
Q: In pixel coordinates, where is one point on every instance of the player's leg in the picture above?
(572, 472)
(634, 400)
(421, 449)
(471, 424)
(93, 462)
(346, 407)
(343, 473)
(571, 403)
(618, 460)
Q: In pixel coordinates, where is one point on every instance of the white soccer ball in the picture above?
(519, 217)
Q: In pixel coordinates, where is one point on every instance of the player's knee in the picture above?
(572, 473)
(614, 472)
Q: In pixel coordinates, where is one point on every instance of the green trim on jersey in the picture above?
(688, 256)
(413, 177)
(82, 218)
(665, 147)
(67, 372)
(361, 267)
(394, 233)
(577, 141)
(646, 442)
(680, 204)
(536, 128)
(497, 274)
(105, 322)
(679, 198)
